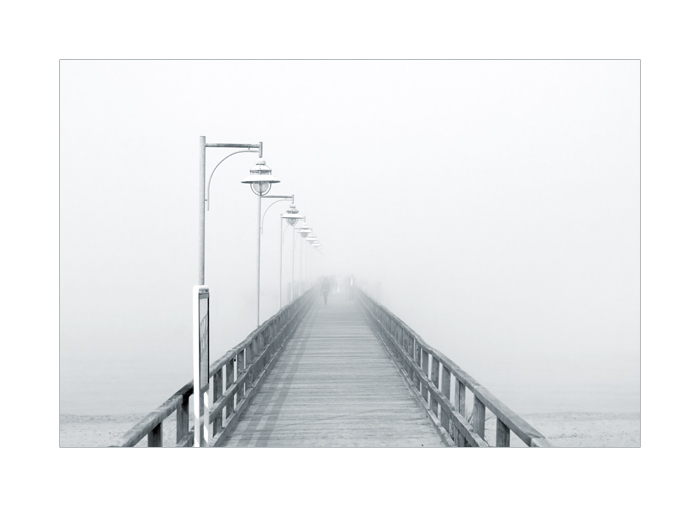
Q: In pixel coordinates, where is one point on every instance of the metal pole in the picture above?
(308, 255)
(281, 249)
(202, 183)
(294, 259)
(259, 233)
(294, 247)
(195, 366)
(306, 264)
(200, 399)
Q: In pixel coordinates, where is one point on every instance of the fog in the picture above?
(491, 205)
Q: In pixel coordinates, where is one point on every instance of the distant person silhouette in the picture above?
(325, 289)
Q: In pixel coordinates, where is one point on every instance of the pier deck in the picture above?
(334, 386)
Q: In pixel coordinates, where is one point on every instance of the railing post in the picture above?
(404, 348)
(445, 389)
(415, 354)
(155, 436)
(435, 379)
(240, 369)
(218, 389)
(461, 395)
(478, 416)
(250, 362)
(182, 426)
(502, 434)
(424, 364)
(263, 338)
(229, 382)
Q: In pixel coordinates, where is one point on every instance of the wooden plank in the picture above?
(502, 434)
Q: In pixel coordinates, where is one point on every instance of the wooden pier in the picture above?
(346, 374)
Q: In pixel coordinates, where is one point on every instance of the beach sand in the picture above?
(570, 429)
(579, 429)
(105, 430)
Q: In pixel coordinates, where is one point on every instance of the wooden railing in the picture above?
(441, 386)
(233, 381)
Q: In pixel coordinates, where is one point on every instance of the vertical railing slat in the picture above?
(413, 360)
(461, 395)
(218, 391)
(182, 425)
(155, 436)
(435, 378)
(240, 369)
(445, 389)
(229, 382)
(478, 416)
(424, 364)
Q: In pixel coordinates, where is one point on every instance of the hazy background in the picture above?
(496, 202)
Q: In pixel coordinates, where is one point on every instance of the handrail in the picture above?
(244, 366)
(435, 385)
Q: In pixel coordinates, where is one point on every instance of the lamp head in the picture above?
(304, 230)
(291, 216)
(260, 178)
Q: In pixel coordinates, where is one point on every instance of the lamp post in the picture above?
(260, 180)
(279, 198)
(310, 239)
(304, 231)
(316, 244)
(291, 217)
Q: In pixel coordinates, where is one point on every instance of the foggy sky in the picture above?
(497, 203)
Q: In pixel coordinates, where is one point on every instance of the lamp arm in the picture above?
(283, 198)
(208, 196)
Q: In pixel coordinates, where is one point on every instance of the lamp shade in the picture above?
(260, 178)
(304, 230)
(292, 215)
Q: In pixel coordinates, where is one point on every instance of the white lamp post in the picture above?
(291, 217)
(260, 180)
(304, 231)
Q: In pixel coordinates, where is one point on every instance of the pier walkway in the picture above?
(335, 385)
